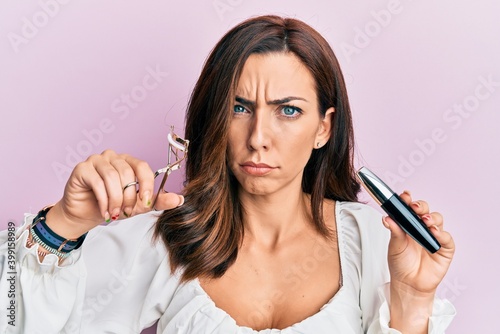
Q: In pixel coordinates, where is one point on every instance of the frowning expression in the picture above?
(276, 123)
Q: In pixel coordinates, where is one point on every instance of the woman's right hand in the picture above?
(95, 193)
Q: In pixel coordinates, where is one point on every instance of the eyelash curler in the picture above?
(177, 150)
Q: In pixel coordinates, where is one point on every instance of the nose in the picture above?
(260, 132)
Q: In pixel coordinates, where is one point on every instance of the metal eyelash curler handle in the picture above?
(176, 146)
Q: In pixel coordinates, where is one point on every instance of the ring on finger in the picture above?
(133, 183)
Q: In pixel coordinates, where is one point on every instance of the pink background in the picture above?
(410, 67)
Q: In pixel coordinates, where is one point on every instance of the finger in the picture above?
(446, 241)
(406, 196)
(420, 207)
(127, 176)
(433, 219)
(91, 180)
(443, 237)
(167, 201)
(399, 240)
(434, 222)
(112, 182)
(145, 177)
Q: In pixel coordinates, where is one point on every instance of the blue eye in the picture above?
(239, 109)
(291, 111)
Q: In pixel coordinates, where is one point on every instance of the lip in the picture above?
(256, 169)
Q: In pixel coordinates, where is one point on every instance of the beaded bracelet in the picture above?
(49, 240)
(36, 239)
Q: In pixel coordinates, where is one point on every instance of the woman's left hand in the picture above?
(412, 268)
(416, 273)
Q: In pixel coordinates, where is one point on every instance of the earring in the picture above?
(318, 144)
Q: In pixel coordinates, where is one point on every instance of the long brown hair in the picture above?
(204, 234)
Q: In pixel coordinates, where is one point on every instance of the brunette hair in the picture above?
(204, 234)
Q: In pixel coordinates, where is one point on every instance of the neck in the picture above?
(270, 220)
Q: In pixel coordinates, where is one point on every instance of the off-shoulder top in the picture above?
(119, 281)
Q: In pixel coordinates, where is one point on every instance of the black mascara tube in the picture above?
(401, 213)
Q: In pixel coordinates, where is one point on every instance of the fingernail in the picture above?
(126, 212)
(107, 218)
(116, 214)
(407, 192)
(146, 199)
(416, 204)
(436, 228)
(181, 198)
(386, 224)
(426, 217)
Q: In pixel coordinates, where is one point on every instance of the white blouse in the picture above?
(119, 281)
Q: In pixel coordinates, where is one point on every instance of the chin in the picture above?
(258, 188)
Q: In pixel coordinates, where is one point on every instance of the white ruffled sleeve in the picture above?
(374, 272)
(119, 281)
(442, 314)
(39, 297)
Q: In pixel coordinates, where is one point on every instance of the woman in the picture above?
(270, 235)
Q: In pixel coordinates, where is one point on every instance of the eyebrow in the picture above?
(287, 99)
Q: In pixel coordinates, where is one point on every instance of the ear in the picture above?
(324, 129)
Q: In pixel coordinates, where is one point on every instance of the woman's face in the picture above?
(275, 124)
